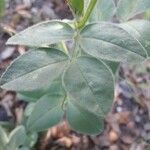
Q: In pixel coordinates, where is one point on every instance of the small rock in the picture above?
(7, 53)
(119, 109)
(113, 136)
(65, 141)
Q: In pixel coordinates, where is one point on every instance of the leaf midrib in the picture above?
(32, 71)
(86, 81)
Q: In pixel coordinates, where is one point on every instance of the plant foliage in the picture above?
(78, 82)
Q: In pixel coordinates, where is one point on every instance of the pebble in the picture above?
(65, 141)
(119, 109)
(113, 136)
(7, 53)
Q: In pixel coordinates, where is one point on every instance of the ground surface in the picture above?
(127, 126)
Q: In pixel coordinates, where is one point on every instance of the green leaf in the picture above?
(104, 10)
(26, 98)
(109, 42)
(48, 110)
(3, 138)
(31, 96)
(140, 30)
(112, 65)
(17, 138)
(90, 82)
(34, 71)
(32, 139)
(29, 109)
(43, 34)
(127, 9)
(82, 120)
(77, 7)
(2, 7)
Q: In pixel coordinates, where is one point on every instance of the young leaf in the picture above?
(140, 30)
(127, 9)
(43, 34)
(104, 10)
(48, 110)
(82, 120)
(17, 138)
(77, 7)
(110, 42)
(90, 83)
(35, 70)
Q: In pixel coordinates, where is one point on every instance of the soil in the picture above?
(127, 125)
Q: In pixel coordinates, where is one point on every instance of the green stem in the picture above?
(83, 20)
(75, 46)
(65, 48)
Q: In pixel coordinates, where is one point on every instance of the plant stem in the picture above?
(84, 19)
(65, 48)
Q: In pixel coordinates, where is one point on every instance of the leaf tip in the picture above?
(10, 41)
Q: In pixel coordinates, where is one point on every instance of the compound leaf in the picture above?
(110, 42)
(35, 70)
(43, 34)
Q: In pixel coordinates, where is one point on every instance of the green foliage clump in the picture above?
(77, 82)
